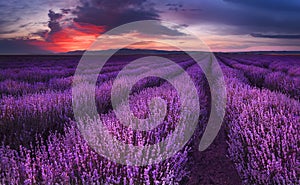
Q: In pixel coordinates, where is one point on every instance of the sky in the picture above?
(55, 26)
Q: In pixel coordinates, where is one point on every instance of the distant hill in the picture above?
(266, 52)
(150, 51)
(124, 52)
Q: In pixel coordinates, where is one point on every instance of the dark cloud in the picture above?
(41, 33)
(65, 10)
(244, 17)
(114, 13)
(151, 28)
(25, 25)
(179, 7)
(116, 4)
(174, 4)
(54, 16)
(19, 46)
(53, 23)
(275, 36)
(111, 14)
(175, 7)
(278, 5)
(6, 23)
(180, 26)
(7, 32)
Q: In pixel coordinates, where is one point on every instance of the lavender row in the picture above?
(266, 78)
(277, 63)
(23, 117)
(43, 80)
(262, 133)
(68, 159)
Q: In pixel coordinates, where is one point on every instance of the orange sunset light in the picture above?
(79, 36)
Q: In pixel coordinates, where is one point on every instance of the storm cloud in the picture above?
(59, 26)
(245, 17)
(114, 13)
(53, 23)
(20, 46)
(275, 36)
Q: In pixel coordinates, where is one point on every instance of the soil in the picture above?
(212, 166)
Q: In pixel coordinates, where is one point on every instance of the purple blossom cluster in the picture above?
(41, 142)
(263, 131)
(263, 135)
(68, 159)
(269, 72)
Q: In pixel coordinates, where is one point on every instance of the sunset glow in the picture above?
(224, 25)
(78, 37)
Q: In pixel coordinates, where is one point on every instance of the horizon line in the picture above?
(141, 50)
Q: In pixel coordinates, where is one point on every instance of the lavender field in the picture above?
(258, 142)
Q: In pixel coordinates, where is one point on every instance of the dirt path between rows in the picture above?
(212, 166)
